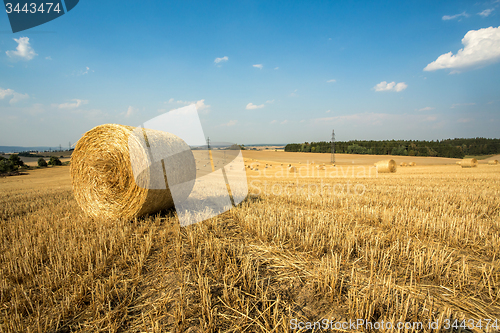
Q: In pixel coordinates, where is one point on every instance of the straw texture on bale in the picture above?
(292, 169)
(412, 164)
(493, 162)
(102, 172)
(469, 163)
(403, 164)
(386, 166)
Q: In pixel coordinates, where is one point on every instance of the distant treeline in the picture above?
(455, 148)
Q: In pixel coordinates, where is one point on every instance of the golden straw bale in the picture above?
(386, 166)
(102, 171)
(493, 162)
(403, 164)
(412, 164)
(469, 163)
(292, 169)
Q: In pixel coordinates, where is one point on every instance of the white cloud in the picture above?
(486, 12)
(76, 104)
(221, 60)
(87, 70)
(48, 58)
(481, 47)
(376, 119)
(15, 96)
(200, 105)
(270, 102)
(294, 93)
(130, 111)
(464, 120)
(230, 123)
(251, 106)
(367, 117)
(284, 122)
(273, 122)
(23, 49)
(392, 86)
(327, 111)
(259, 66)
(427, 108)
(276, 68)
(452, 17)
(332, 80)
(461, 104)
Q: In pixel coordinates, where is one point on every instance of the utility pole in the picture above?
(333, 147)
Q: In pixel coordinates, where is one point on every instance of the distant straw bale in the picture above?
(386, 166)
(412, 164)
(403, 164)
(493, 162)
(469, 163)
(292, 169)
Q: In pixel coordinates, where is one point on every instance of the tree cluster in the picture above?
(454, 148)
(10, 164)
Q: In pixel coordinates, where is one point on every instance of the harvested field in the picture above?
(417, 245)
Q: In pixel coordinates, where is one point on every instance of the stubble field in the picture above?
(418, 246)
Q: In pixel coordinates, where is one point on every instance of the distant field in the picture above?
(481, 157)
(342, 159)
(32, 161)
(419, 245)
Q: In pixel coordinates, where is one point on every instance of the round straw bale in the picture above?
(292, 169)
(102, 172)
(469, 163)
(493, 162)
(403, 164)
(386, 166)
(412, 164)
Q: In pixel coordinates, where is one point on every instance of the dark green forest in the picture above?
(455, 148)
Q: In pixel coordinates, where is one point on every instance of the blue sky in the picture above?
(260, 72)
